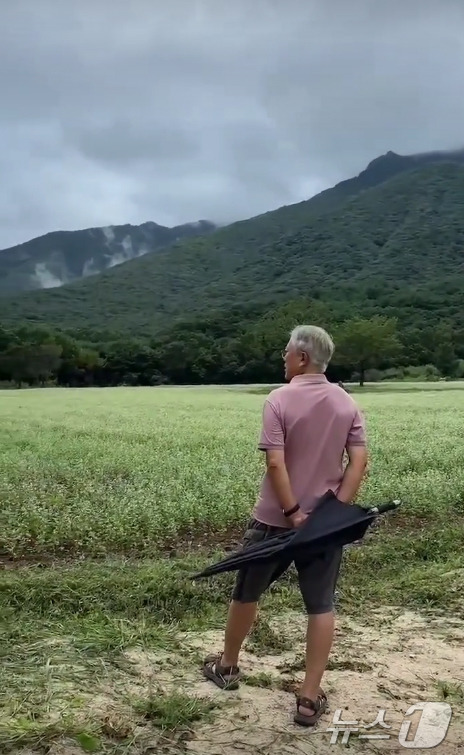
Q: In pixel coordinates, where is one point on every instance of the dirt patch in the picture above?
(386, 661)
(390, 663)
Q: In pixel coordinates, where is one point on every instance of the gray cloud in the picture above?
(114, 113)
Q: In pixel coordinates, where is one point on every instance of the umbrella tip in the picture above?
(383, 508)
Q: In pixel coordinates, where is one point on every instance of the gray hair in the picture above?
(315, 342)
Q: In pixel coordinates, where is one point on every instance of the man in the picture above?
(308, 425)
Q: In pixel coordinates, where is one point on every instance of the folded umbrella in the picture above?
(332, 523)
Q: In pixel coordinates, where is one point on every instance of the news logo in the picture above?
(430, 731)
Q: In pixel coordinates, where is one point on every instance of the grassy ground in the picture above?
(111, 499)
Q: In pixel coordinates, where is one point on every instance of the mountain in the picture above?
(397, 247)
(378, 171)
(64, 256)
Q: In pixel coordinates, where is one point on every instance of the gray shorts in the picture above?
(317, 573)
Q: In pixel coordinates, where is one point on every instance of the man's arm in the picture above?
(280, 481)
(278, 475)
(355, 471)
(272, 441)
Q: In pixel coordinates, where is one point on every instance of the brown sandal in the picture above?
(225, 677)
(319, 706)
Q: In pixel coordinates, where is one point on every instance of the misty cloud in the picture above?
(113, 113)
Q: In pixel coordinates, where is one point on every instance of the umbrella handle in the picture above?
(383, 507)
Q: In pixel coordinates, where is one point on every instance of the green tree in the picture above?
(31, 363)
(7, 338)
(262, 342)
(363, 343)
(14, 363)
(444, 355)
(45, 361)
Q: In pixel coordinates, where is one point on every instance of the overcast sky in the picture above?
(174, 110)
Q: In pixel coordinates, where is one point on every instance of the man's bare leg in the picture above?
(224, 670)
(239, 622)
(319, 639)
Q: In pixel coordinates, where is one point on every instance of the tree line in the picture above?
(229, 348)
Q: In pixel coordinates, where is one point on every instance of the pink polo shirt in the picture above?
(314, 421)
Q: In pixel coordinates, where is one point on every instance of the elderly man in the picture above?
(307, 426)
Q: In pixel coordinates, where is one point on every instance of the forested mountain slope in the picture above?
(61, 257)
(398, 244)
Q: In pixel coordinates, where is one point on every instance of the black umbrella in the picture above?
(332, 523)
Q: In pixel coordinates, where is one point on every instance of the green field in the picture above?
(112, 498)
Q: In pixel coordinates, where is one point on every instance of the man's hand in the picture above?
(298, 519)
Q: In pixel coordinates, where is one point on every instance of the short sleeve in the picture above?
(357, 433)
(272, 430)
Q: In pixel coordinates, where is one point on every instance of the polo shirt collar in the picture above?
(314, 378)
